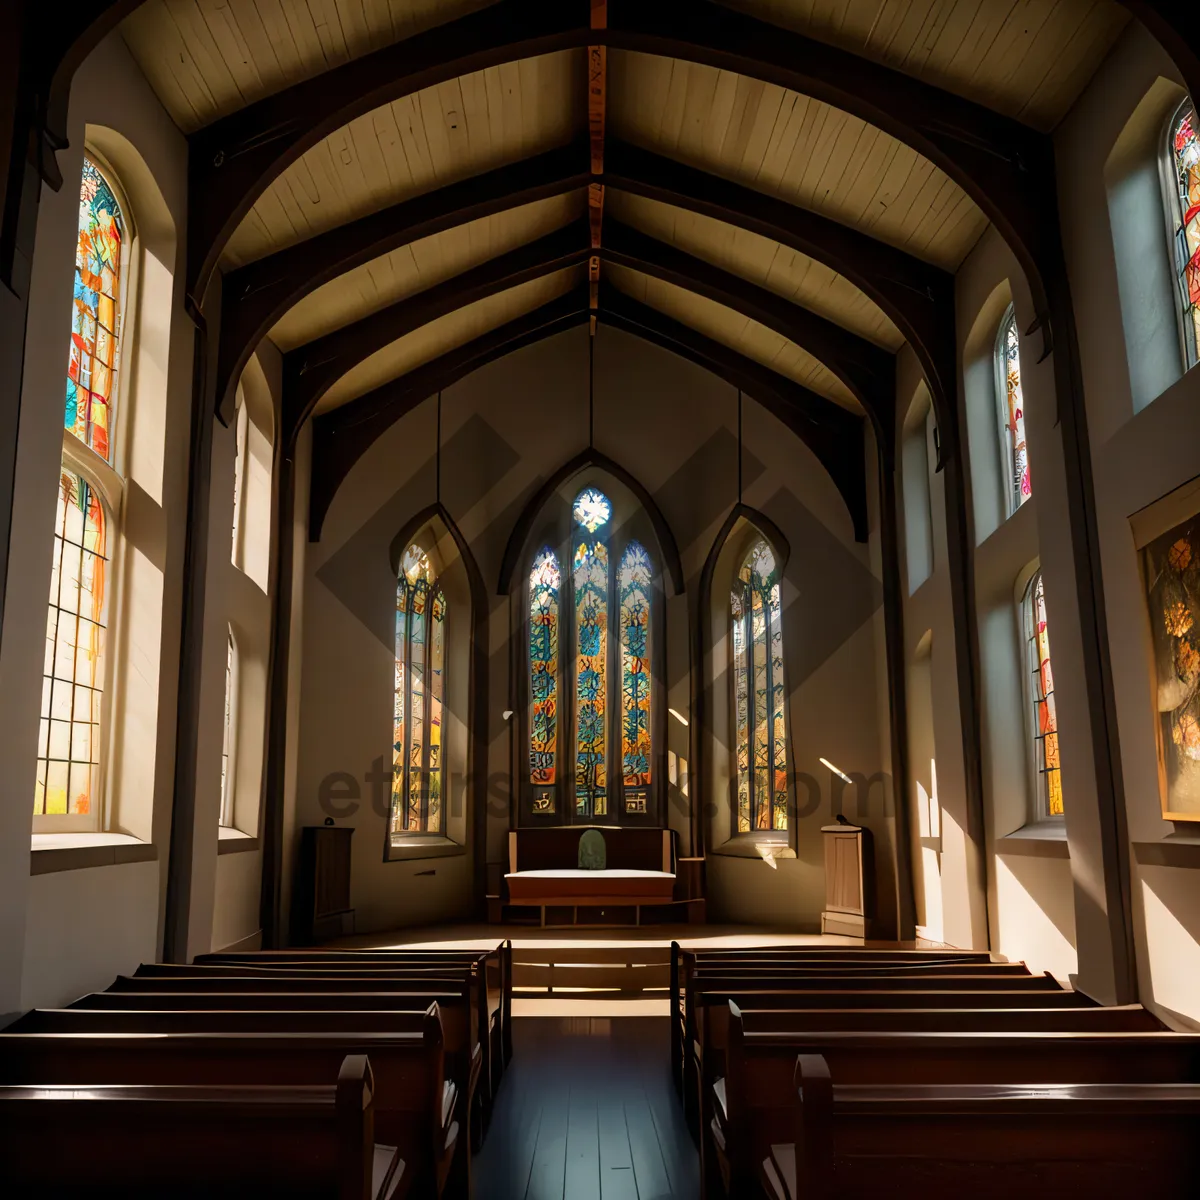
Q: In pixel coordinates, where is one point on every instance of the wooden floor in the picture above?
(588, 1112)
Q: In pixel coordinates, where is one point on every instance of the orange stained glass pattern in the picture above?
(545, 580)
(418, 697)
(72, 685)
(760, 721)
(1045, 715)
(1185, 162)
(96, 314)
(1013, 402)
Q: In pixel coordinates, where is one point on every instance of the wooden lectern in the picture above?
(849, 880)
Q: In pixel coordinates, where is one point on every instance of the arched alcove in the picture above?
(914, 478)
(588, 549)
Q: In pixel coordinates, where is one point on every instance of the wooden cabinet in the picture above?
(321, 895)
(849, 880)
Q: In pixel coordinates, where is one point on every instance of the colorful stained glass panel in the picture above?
(590, 579)
(418, 706)
(544, 584)
(1013, 413)
(758, 694)
(634, 584)
(95, 322)
(1045, 714)
(1185, 159)
(70, 727)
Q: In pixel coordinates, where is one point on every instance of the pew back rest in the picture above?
(407, 1068)
(987, 1140)
(192, 1140)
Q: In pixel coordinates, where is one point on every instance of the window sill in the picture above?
(1041, 839)
(746, 845)
(1175, 850)
(418, 846)
(234, 841)
(50, 852)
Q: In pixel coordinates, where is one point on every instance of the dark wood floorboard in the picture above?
(588, 1112)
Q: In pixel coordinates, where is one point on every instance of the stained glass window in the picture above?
(1172, 574)
(72, 686)
(1045, 718)
(1012, 414)
(604, 727)
(1184, 157)
(419, 697)
(96, 318)
(633, 583)
(759, 696)
(545, 581)
(227, 738)
(590, 581)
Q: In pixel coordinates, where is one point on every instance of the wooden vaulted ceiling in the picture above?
(729, 294)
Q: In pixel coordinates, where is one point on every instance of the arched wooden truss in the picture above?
(1006, 167)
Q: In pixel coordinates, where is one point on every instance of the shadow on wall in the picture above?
(1035, 912)
(1172, 919)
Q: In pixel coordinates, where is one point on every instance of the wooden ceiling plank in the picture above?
(344, 435)
(311, 370)
(865, 370)
(255, 296)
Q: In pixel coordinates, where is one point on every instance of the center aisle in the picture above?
(588, 1111)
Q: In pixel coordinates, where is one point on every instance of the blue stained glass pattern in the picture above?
(634, 584)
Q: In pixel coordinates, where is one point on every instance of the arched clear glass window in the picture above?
(69, 736)
(71, 732)
(419, 697)
(1183, 216)
(239, 479)
(1011, 405)
(228, 736)
(759, 693)
(608, 720)
(1040, 690)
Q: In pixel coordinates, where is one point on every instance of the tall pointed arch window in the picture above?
(419, 697)
(759, 693)
(1183, 215)
(1011, 404)
(592, 625)
(71, 731)
(1044, 735)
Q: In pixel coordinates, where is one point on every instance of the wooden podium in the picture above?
(849, 880)
(321, 894)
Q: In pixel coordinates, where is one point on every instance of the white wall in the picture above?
(80, 927)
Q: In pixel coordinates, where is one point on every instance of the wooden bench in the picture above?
(471, 971)
(986, 1141)
(498, 970)
(736, 981)
(414, 1107)
(748, 1109)
(193, 1141)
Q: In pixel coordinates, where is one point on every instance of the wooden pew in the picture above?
(748, 1110)
(466, 1045)
(193, 1141)
(414, 1109)
(687, 964)
(735, 981)
(986, 1141)
(499, 972)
